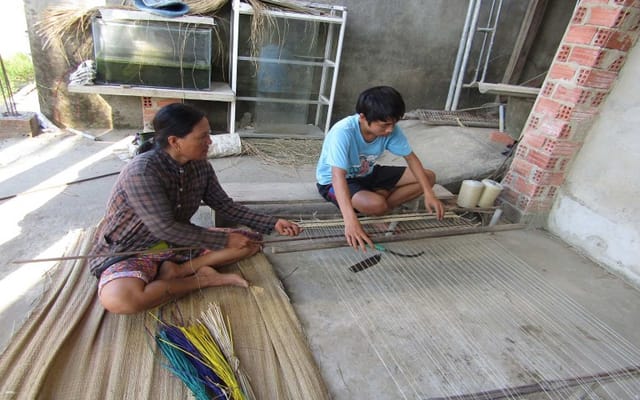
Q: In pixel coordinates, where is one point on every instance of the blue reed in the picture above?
(174, 335)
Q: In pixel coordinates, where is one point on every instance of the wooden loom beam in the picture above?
(394, 238)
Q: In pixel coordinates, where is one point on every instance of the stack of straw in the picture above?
(202, 356)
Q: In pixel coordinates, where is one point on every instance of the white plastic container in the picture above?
(470, 193)
(490, 193)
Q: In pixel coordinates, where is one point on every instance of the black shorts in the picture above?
(382, 177)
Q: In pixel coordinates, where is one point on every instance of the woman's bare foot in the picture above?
(211, 277)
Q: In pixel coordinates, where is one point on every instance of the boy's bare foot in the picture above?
(211, 277)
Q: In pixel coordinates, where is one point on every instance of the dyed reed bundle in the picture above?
(181, 366)
(201, 338)
(175, 338)
(221, 332)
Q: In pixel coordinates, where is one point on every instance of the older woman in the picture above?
(149, 212)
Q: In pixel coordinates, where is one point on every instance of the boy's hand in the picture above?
(434, 205)
(356, 236)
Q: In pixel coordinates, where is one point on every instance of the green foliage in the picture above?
(19, 69)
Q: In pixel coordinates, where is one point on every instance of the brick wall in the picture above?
(150, 106)
(586, 65)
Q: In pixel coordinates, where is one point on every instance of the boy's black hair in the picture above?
(380, 103)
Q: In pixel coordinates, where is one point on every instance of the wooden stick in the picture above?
(395, 238)
(545, 386)
(373, 220)
(87, 256)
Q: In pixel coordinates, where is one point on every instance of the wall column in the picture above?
(587, 63)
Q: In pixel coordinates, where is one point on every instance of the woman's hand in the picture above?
(287, 228)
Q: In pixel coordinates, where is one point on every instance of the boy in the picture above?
(347, 173)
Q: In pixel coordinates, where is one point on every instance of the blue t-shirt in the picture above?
(345, 148)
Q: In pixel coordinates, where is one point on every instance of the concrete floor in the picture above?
(462, 322)
(36, 223)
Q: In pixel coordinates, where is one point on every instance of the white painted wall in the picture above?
(598, 207)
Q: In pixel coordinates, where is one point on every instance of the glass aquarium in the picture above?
(152, 53)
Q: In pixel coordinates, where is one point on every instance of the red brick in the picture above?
(563, 164)
(587, 56)
(580, 34)
(562, 71)
(547, 90)
(598, 98)
(523, 202)
(164, 102)
(620, 41)
(501, 137)
(542, 177)
(570, 94)
(617, 64)
(633, 23)
(534, 140)
(604, 16)
(524, 187)
(509, 178)
(584, 114)
(547, 106)
(560, 147)
(563, 53)
(522, 150)
(555, 128)
(624, 20)
(564, 112)
(628, 3)
(595, 78)
(23, 124)
(542, 160)
(602, 37)
(578, 15)
(533, 122)
(522, 167)
(510, 196)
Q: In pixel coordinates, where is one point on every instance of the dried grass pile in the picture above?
(205, 7)
(287, 152)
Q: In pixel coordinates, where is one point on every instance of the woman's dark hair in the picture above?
(174, 119)
(380, 103)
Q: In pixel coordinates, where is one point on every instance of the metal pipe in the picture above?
(456, 68)
(233, 63)
(492, 38)
(335, 70)
(465, 58)
(495, 217)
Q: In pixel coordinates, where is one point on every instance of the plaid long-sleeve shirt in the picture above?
(154, 199)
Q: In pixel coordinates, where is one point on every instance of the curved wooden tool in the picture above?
(366, 263)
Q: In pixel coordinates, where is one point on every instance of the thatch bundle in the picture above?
(278, 151)
(64, 20)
